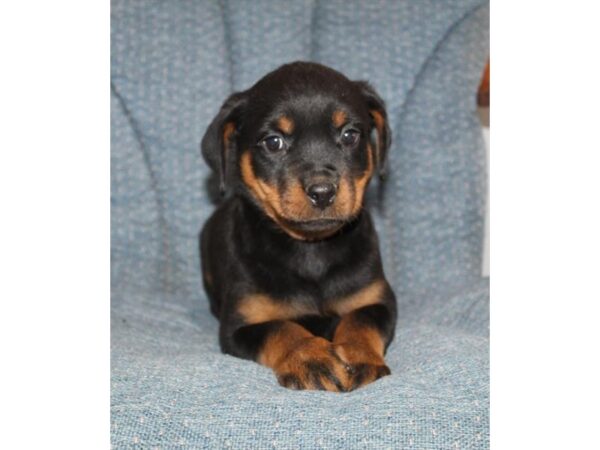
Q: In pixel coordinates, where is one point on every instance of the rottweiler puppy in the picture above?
(290, 259)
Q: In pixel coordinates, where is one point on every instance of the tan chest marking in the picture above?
(260, 308)
(369, 295)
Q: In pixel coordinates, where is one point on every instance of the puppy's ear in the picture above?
(379, 123)
(219, 142)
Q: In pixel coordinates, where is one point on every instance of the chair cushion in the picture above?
(172, 386)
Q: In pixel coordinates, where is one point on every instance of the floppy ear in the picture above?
(379, 122)
(219, 142)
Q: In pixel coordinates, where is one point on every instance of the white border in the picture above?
(54, 183)
(54, 238)
(545, 224)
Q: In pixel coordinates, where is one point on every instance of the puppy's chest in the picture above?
(289, 296)
(312, 267)
(310, 283)
(294, 278)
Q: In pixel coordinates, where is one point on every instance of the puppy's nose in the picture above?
(321, 194)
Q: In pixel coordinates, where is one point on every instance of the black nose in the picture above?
(321, 194)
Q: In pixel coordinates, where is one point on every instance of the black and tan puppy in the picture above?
(290, 260)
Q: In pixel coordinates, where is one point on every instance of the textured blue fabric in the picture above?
(172, 65)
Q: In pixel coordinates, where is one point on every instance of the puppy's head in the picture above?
(302, 144)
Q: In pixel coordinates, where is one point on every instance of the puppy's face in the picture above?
(304, 143)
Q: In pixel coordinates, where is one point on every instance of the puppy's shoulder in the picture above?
(221, 221)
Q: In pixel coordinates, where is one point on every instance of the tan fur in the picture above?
(294, 202)
(228, 129)
(279, 344)
(293, 206)
(379, 125)
(286, 124)
(259, 308)
(362, 181)
(338, 118)
(263, 192)
(379, 120)
(369, 295)
(291, 349)
(358, 344)
(355, 342)
(345, 195)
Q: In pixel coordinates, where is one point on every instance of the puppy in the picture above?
(290, 259)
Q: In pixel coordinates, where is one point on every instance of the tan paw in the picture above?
(365, 365)
(314, 365)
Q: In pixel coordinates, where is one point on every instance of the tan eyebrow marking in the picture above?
(339, 118)
(286, 124)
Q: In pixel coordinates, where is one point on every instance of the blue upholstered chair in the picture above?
(173, 63)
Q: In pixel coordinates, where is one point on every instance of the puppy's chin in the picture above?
(316, 225)
(313, 229)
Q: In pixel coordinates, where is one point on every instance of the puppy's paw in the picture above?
(365, 365)
(313, 365)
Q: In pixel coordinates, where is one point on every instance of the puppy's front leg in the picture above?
(361, 339)
(299, 359)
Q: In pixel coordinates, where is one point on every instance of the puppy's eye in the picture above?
(350, 137)
(273, 143)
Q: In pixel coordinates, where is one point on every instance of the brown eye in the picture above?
(273, 143)
(349, 137)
